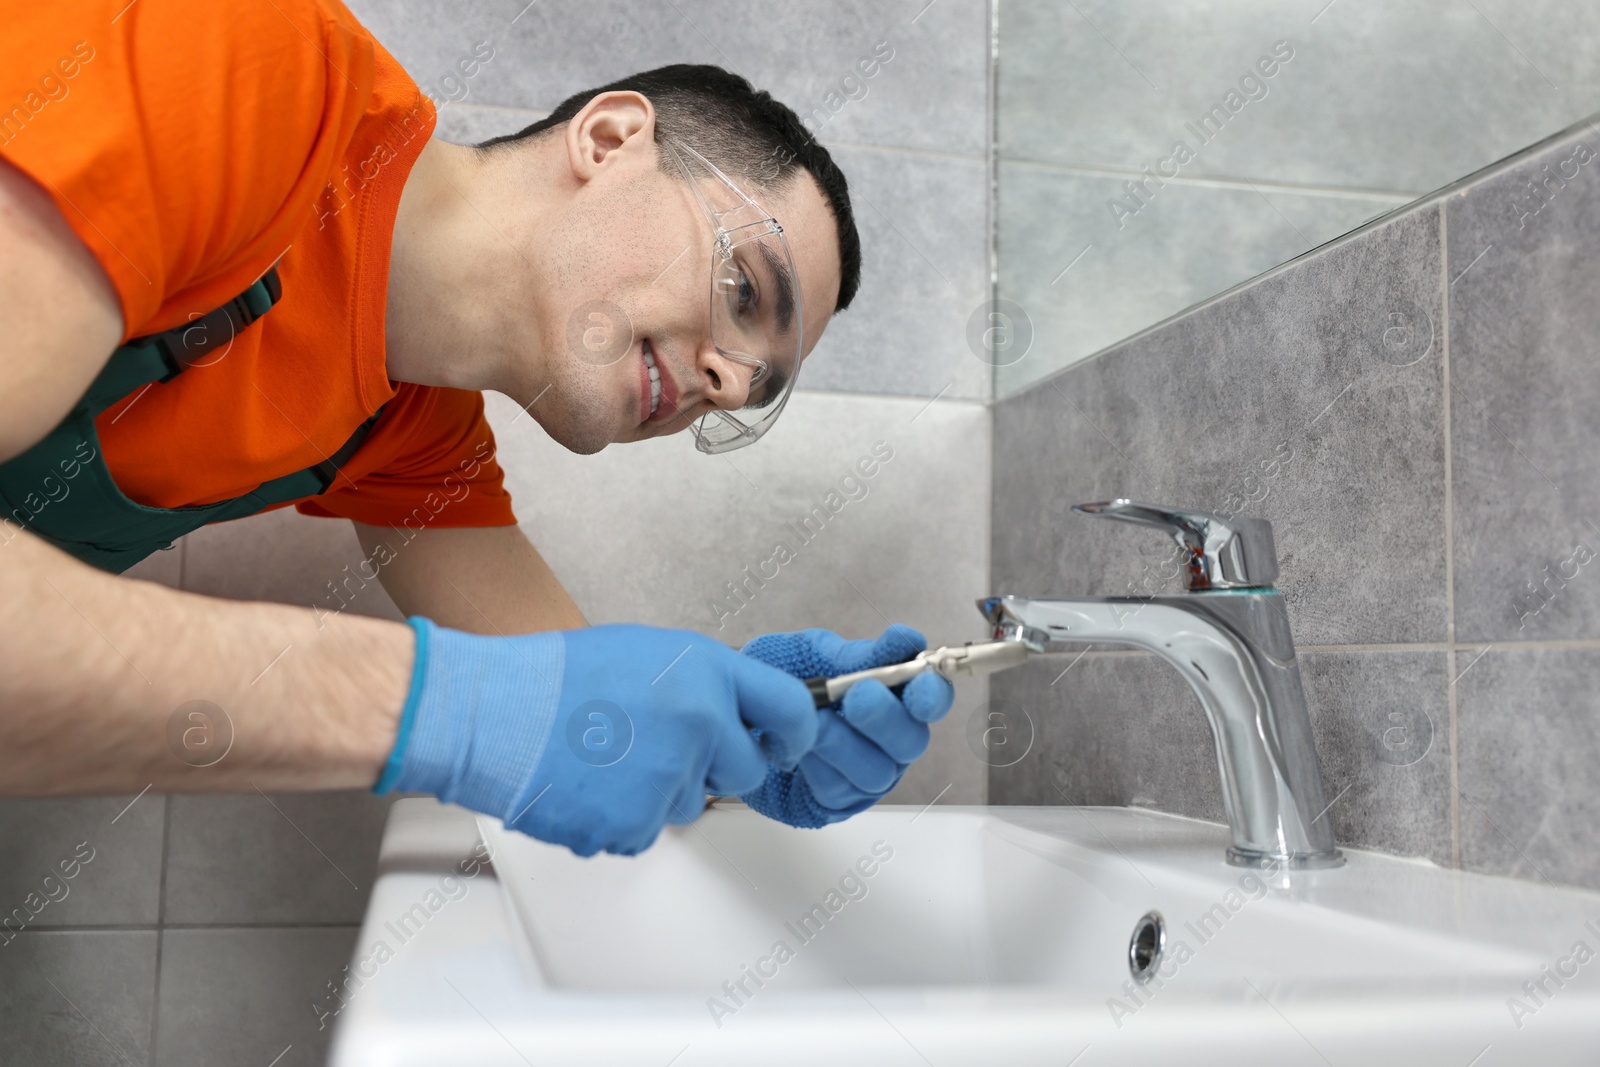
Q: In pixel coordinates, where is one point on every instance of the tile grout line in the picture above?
(161, 913)
(1449, 536)
(1395, 197)
(992, 390)
(103, 928)
(992, 193)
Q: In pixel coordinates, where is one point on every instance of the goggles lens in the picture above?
(755, 304)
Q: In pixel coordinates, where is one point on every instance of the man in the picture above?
(236, 274)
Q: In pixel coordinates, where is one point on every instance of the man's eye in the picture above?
(747, 294)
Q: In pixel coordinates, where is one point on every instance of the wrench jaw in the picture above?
(951, 662)
(979, 658)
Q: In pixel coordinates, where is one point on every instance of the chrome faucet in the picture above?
(1229, 638)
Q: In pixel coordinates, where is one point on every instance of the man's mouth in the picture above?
(655, 379)
(658, 394)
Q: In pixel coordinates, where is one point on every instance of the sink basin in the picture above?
(948, 936)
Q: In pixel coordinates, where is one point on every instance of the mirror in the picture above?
(1153, 154)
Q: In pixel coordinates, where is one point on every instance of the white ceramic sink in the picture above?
(953, 936)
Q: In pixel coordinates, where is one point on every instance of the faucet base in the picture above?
(1293, 861)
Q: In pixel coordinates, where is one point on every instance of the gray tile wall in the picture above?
(1380, 103)
(205, 927)
(1412, 406)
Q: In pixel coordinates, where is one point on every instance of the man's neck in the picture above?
(452, 269)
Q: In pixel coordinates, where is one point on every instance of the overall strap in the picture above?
(317, 478)
(160, 357)
(62, 490)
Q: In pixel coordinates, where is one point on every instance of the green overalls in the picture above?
(61, 489)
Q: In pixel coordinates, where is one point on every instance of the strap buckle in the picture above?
(183, 346)
(328, 470)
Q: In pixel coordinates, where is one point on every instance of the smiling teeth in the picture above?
(655, 380)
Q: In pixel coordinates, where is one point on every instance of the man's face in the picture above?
(631, 286)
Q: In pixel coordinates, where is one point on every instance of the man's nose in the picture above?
(726, 381)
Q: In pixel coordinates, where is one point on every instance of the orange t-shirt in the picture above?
(191, 145)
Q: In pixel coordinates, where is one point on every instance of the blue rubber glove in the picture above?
(865, 741)
(592, 738)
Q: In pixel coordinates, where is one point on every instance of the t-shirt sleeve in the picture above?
(435, 466)
(184, 141)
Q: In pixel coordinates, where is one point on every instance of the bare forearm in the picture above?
(94, 668)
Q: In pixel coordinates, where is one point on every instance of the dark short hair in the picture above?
(741, 129)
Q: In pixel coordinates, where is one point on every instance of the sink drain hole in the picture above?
(1146, 945)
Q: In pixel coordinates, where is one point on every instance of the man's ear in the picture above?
(619, 121)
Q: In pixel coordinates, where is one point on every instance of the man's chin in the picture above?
(582, 443)
(582, 436)
(586, 436)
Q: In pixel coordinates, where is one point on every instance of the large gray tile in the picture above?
(1559, 40)
(949, 772)
(925, 270)
(1125, 729)
(246, 996)
(1381, 721)
(1119, 729)
(77, 998)
(545, 52)
(1087, 276)
(907, 543)
(813, 57)
(1283, 400)
(72, 861)
(1402, 96)
(655, 532)
(454, 52)
(285, 557)
(1529, 723)
(278, 858)
(1527, 456)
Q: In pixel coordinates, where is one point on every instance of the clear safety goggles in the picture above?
(755, 303)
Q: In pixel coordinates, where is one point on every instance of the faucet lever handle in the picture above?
(1234, 553)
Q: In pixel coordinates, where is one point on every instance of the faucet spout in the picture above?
(1235, 650)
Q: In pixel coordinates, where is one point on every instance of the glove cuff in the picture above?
(481, 712)
(408, 713)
